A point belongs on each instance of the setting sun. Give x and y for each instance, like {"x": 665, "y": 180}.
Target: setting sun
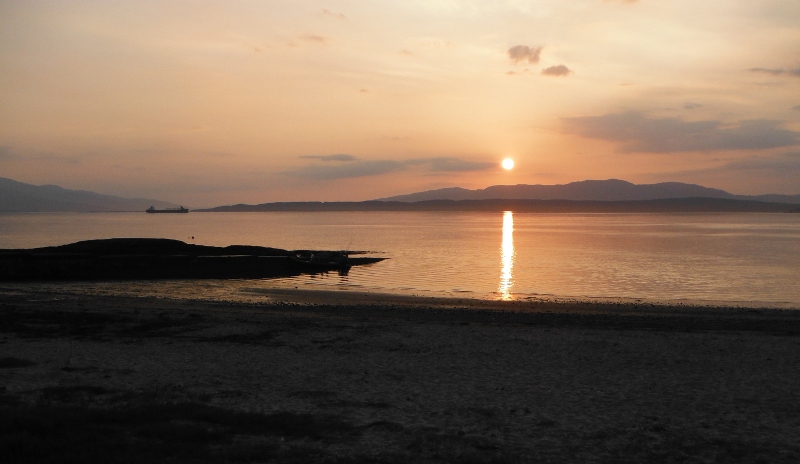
{"x": 508, "y": 164}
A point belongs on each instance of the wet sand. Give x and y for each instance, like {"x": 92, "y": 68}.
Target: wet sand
{"x": 341, "y": 377}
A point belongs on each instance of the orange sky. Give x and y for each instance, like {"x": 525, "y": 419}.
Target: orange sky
{"x": 207, "y": 103}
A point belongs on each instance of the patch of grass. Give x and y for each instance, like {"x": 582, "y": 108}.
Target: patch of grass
{"x": 12, "y": 362}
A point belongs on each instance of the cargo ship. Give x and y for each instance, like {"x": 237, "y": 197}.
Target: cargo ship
{"x": 152, "y": 209}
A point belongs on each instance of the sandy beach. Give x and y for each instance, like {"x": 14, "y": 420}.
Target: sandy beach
{"x": 339, "y": 377}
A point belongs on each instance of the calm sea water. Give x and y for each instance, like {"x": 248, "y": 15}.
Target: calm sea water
{"x": 720, "y": 258}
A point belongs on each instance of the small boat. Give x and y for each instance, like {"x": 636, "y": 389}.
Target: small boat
{"x": 152, "y": 209}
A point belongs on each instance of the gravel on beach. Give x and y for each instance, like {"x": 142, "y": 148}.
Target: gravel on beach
{"x": 336, "y": 377}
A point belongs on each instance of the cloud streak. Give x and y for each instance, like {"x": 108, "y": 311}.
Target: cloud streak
{"x": 557, "y": 71}
{"x": 333, "y": 14}
{"x": 783, "y": 163}
{"x": 761, "y": 169}
{"x": 776, "y": 71}
{"x": 338, "y": 157}
{"x": 635, "y": 132}
{"x": 363, "y": 168}
{"x": 314, "y": 38}
{"x": 445, "y": 164}
{"x": 352, "y": 167}
{"x": 524, "y": 53}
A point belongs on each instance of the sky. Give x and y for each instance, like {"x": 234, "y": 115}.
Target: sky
{"x": 207, "y": 103}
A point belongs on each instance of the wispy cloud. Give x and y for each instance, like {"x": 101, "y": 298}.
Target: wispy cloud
{"x": 776, "y": 71}
{"x": 557, "y": 71}
{"x": 524, "y": 53}
{"x": 337, "y": 157}
{"x": 784, "y": 163}
{"x": 764, "y": 167}
{"x": 348, "y": 170}
{"x": 350, "y": 167}
{"x": 445, "y": 164}
{"x": 636, "y": 132}
{"x": 332, "y": 14}
{"x": 313, "y": 38}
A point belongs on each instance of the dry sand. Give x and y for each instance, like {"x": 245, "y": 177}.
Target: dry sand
{"x": 426, "y": 380}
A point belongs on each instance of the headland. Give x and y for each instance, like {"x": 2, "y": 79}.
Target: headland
{"x": 158, "y": 258}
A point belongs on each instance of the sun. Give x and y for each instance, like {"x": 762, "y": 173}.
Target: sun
{"x": 508, "y": 164}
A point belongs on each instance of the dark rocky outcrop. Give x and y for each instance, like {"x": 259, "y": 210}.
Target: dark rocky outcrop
{"x": 147, "y": 258}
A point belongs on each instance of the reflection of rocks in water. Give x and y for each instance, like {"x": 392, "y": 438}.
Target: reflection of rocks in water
{"x": 143, "y": 258}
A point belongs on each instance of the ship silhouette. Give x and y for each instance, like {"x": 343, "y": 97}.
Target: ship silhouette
{"x": 152, "y": 209}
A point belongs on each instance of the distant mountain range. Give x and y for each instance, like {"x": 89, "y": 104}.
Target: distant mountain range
{"x": 600, "y": 196}
{"x": 586, "y": 196}
{"x": 20, "y": 197}
{"x": 667, "y": 205}
{"x": 588, "y": 190}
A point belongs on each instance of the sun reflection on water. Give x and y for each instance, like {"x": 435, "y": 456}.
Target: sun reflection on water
{"x": 507, "y": 257}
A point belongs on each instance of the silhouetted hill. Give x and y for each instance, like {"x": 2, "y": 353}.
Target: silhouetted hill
{"x": 669, "y": 205}
{"x": 20, "y": 197}
{"x": 587, "y": 190}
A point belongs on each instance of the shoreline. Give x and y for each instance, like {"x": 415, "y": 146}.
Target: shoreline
{"x": 243, "y": 291}
{"x": 342, "y": 379}
{"x": 318, "y": 296}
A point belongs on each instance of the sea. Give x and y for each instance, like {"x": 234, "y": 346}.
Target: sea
{"x": 727, "y": 259}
